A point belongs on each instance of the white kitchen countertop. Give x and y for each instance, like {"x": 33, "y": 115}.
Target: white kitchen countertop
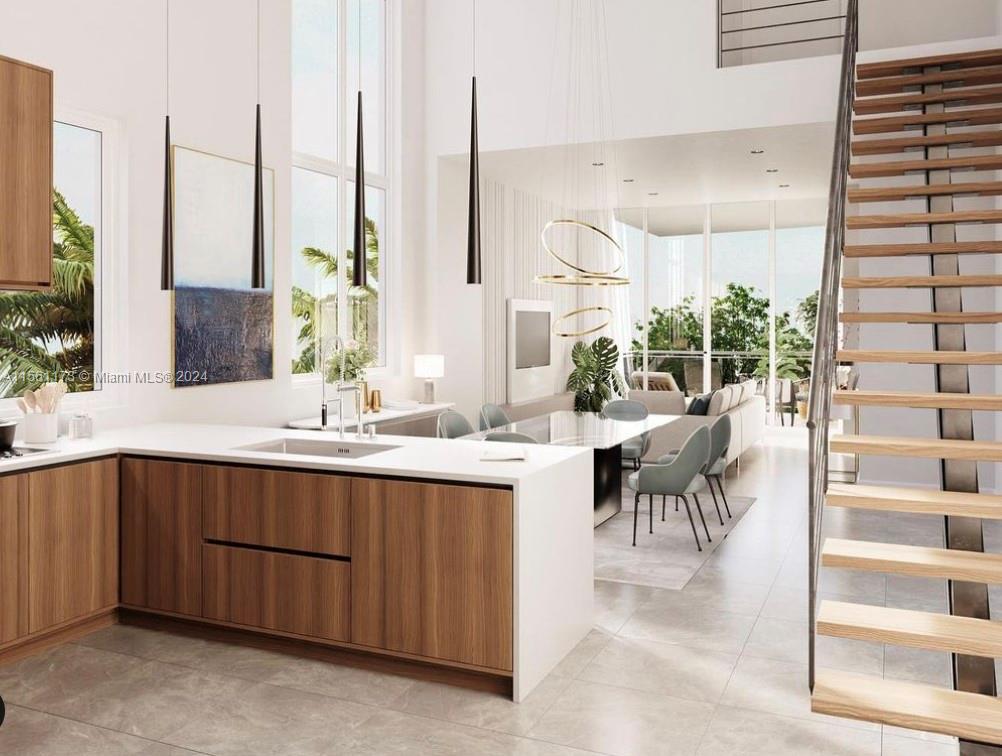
{"x": 414, "y": 457}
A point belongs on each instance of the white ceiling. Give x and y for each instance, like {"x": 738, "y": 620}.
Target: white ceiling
{"x": 685, "y": 171}
{"x": 737, "y": 216}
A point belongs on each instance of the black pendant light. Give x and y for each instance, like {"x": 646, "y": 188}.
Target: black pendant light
{"x": 473, "y": 226}
{"x": 167, "y": 248}
{"x": 257, "y": 252}
{"x": 359, "y": 274}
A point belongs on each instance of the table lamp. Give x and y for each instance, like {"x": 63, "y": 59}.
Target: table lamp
{"x": 429, "y": 367}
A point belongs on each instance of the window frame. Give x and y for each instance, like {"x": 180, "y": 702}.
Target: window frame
{"x": 342, "y": 171}
{"x": 110, "y": 271}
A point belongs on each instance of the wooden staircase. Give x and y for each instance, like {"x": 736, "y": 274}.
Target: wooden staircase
{"x": 928, "y": 118}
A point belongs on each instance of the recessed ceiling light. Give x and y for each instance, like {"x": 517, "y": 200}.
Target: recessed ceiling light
{"x": 627, "y": 181}
{"x": 784, "y": 186}
{"x": 757, "y": 152}
{"x": 597, "y": 165}
{"x": 652, "y": 194}
{"x": 772, "y": 170}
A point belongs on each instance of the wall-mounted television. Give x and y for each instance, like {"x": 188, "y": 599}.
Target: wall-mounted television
{"x": 532, "y": 339}
{"x": 532, "y": 354}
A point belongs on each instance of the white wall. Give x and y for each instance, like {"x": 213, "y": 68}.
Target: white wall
{"x": 108, "y": 59}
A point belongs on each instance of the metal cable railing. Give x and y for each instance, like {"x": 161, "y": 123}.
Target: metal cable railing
{"x": 826, "y": 335}
{"x": 777, "y": 26}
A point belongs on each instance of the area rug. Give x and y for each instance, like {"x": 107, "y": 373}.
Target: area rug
{"x": 668, "y": 558}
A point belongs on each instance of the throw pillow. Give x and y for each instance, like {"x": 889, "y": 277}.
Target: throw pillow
{"x": 699, "y": 405}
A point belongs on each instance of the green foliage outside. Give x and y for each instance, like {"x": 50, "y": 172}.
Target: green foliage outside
{"x": 49, "y": 335}
{"x": 596, "y": 377}
{"x": 364, "y": 304}
{"x": 739, "y": 321}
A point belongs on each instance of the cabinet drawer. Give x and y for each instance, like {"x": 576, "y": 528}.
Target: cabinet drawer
{"x": 283, "y": 510}
{"x": 295, "y": 594}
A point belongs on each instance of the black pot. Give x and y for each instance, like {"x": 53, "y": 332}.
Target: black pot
{"x": 7, "y": 430}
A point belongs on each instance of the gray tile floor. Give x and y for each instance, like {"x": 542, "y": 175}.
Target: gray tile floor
{"x": 717, "y": 667}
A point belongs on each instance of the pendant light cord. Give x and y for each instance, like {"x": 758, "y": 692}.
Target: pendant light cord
{"x": 167, "y": 56}
{"x": 474, "y": 38}
{"x": 259, "y": 51}
{"x": 359, "y": 45}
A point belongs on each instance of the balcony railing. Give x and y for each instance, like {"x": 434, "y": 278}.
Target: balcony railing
{"x": 758, "y": 33}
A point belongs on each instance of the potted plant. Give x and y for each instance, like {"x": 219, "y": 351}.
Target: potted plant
{"x": 596, "y": 377}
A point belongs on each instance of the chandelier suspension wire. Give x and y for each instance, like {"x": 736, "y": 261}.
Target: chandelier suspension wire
{"x": 581, "y": 209}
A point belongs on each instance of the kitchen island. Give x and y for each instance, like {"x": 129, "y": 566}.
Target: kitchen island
{"x": 407, "y": 548}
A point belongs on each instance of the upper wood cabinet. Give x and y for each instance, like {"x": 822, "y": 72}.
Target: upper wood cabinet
{"x": 25, "y": 175}
{"x": 162, "y": 535}
{"x": 13, "y": 558}
{"x": 72, "y": 542}
{"x": 431, "y": 570}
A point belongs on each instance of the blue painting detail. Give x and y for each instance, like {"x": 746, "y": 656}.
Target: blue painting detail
{"x": 222, "y": 335}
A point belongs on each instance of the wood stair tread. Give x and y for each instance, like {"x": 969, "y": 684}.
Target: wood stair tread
{"x": 915, "y": 561}
{"x": 895, "y": 193}
{"x": 920, "y": 400}
{"x": 914, "y": 500}
{"x": 904, "y": 627}
{"x": 972, "y": 59}
{"x": 921, "y": 318}
{"x": 894, "y": 220}
{"x": 901, "y": 167}
{"x": 940, "y": 357}
{"x": 955, "y": 76}
{"x": 954, "y": 95}
{"x": 989, "y": 138}
{"x": 908, "y": 446}
{"x": 968, "y": 116}
{"x": 922, "y": 248}
{"x": 906, "y": 704}
{"x": 914, "y": 282}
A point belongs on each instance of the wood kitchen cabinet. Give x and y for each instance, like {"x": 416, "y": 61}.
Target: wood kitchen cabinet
{"x": 297, "y": 511}
{"x": 431, "y": 570}
{"x": 13, "y": 558}
{"x": 162, "y": 535}
{"x": 25, "y": 175}
{"x": 72, "y": 542}
{"x": 277, "y": 591}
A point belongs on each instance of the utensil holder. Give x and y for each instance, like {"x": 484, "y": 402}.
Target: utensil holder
{"x": 41, "y": 428}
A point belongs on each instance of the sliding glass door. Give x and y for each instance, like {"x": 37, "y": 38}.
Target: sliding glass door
{"x": 725, "y": 293}
{"x": 740, "y": 305}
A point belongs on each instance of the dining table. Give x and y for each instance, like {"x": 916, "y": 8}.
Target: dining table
{"x": 604, "y": 435}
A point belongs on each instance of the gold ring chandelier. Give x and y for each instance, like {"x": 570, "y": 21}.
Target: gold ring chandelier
{"x": 581, "y": 276}
{"x": 585, "y": 331}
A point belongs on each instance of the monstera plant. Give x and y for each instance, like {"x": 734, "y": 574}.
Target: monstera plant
{"x": 596, "y": 377}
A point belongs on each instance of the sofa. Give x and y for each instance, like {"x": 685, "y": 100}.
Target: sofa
{"x": 740, "y": 402}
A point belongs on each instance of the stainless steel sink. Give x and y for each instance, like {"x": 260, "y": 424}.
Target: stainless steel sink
{"x": 309, "y": 447}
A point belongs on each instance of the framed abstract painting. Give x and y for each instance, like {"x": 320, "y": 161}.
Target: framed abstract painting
{"x": 223, "y": 329}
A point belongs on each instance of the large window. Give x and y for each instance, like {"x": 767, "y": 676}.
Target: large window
{"x": 760, "y": 279}
{"x": 337, "y": 47}
{"x": 55, "y": 335}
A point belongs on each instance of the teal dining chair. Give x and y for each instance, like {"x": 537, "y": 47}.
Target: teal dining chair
{"x": 510, "y": 437}
{"x": 627, "y": 409}
{"x": 492, "y": 416}
{"x": 681, "y": 477}
{"x": 452, "y": 424}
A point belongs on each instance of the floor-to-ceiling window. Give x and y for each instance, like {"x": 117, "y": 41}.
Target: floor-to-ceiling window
{"x": 725, "y": 293}
{"x": 338, "y": 47}
{"x": 739, "y": 291}
{"x": 675, "y": 295}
